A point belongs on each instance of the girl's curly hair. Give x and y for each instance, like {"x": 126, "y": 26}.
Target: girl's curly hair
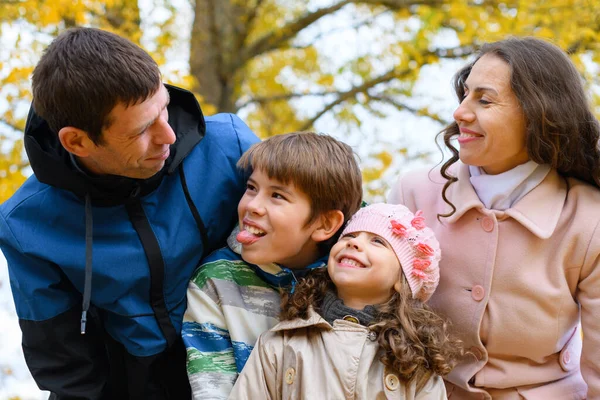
{"x": 414, "y": 339}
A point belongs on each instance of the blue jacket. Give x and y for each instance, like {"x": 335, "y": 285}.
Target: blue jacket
{"x": 146, "y": 237}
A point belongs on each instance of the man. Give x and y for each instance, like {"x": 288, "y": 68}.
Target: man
{"x": 131, "y": 186}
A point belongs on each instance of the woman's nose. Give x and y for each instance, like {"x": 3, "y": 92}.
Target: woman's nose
{"x": 463, "y": 113}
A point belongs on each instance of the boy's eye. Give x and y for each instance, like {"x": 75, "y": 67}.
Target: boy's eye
{"x": 250, "y": 187}
{"x": 276, "y": 195}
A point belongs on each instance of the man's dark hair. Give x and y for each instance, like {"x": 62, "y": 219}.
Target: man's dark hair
{"x": 84, "y": 73}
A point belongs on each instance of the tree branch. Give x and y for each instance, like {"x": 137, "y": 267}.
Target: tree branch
{"x": 456, "y": 52}
{"x": 344, "y": 96}
{"x": 403, "y": 107}
{"x": 274, "y": 39}
{"x": 284, "y": 96}
{"x": 250, "y": 18}
{"x": 353, "y": 27}
{"x": 11, "y": 125}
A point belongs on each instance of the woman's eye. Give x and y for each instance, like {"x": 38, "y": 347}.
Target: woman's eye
{"x": 484, "y": 102}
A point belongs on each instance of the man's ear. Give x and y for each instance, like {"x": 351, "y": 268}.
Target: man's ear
{"x": 75, "y": 141}
{"x": 327, "y": 225}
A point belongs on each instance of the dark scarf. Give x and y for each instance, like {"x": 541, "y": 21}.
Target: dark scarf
{"x": 333, "y": 308}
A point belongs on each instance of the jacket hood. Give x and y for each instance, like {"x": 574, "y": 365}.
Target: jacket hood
{"x": 52, "y": 164}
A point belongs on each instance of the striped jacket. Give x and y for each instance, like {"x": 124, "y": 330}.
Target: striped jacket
{"x": 230, "y": 303}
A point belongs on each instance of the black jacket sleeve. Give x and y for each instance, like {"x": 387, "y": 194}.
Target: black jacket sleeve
{"x": 65, "y": 362}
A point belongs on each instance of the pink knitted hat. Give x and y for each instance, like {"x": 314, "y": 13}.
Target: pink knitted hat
{"x": 414, "y": 243}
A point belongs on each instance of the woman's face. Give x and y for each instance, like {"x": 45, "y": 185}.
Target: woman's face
{"x": 490, "y": 119}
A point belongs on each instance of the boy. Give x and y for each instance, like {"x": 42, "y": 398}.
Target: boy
{"x": 302, "y": 187}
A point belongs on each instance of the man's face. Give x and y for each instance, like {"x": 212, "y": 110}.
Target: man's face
{"x": 136, "y": 144}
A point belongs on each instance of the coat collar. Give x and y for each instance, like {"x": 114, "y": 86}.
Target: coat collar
{"x": 313, "y": 320}
{"x": 538, "y": 211}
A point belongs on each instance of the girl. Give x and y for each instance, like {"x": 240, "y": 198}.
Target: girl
{"x": 360, "y": 329}
{"x": 524, "y": 198}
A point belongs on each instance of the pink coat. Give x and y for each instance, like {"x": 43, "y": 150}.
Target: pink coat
{"x": 514, "y": 283}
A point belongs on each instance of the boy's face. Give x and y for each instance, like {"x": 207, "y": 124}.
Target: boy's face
{"x": 273, "y": 223}
{"x": 364, "y": 268}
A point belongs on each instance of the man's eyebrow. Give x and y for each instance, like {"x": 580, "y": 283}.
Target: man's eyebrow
{"x": 146, "y": 126}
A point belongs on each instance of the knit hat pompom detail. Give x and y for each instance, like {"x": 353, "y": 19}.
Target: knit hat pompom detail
{"x": 413, "y": 242}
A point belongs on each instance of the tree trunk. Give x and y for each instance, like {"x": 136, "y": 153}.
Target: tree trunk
{"x": 217, "y": 36}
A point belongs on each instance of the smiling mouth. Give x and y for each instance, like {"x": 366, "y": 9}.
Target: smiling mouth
{"x": 249, "y": 234}
{"x": 162, "y": 156}
{"x": 254, "y": 230}
{"x": 349, "y": 262}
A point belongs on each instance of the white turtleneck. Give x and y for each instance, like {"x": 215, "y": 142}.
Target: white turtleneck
{"x": 501, "y": 191}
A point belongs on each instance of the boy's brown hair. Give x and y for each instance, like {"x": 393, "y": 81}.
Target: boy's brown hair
{"x": 322, "y": 167}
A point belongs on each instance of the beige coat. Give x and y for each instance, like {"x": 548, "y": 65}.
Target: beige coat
{"x": 310, "y": 359}
{"x": 513, "y": 282}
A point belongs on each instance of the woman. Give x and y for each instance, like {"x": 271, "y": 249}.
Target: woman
{"x": 518, "y": 222}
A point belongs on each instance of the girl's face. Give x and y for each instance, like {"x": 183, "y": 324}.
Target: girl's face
{"x": 364, "y": 268}
{"x": 490, "y": 118}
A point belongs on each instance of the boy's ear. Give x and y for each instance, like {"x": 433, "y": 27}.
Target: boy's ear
{"x": 75, "y": 141}
{"x": 328, "y": 224}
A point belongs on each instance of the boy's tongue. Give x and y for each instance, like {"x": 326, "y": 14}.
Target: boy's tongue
{"x": 245, "y": 237}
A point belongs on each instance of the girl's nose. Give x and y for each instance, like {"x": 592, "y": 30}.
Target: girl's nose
{"x": 354, "y": 243}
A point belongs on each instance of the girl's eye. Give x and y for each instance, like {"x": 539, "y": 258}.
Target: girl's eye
{"x": 349, "y": 235}
{"x": 379, "y": 240}
{"x": 250, "y": 187}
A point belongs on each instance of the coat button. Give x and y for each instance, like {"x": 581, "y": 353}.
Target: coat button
{"x": 372, "y": 336}
{"x": 476, "y": 352}
{"x": 351, "y": 318}
{"x": 487, "y": 224}
{"x": 478, "y": 293}
{"x": 566, "y": 357}
{"x": 290, "y": 374}
{"x": 392, "y": 382}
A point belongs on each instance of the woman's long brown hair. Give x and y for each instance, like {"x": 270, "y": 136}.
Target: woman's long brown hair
{"x": 561, "y": 129}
